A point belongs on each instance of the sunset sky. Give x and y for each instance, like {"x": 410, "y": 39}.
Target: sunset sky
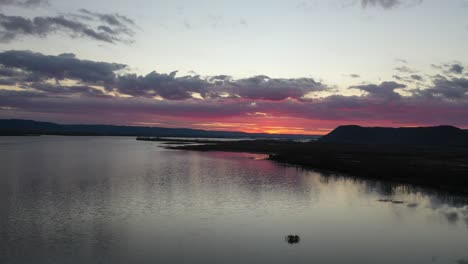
{"x": 276, "y": 66}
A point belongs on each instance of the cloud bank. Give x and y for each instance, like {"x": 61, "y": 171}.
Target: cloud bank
{"x": 110, "y": 28}
{"x": 24, "y": 68}
{"x": 388, "y": 4}
{"x": 38, "y": 86}
{"x": 24, "y": 3}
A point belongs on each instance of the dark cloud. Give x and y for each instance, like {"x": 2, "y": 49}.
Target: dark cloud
{"x": 456, "y": 68}
{"x": 22, "y": 66}
{"x": 409, "y": 79}
{"x": 8, "y": 82}
{"x": 354, "y": 75}
{"x": 385, "y": 90}
{"x": 24, "y": 3}
{"x": 64, "y": 66}
{"x": 381, "y": 3}
{"x": 171, "y": 87}
{"x": 60, "y": 90}
{"x": 40, "y": 102}
{"x": 113, "y": 28}
{"x": 388, "y": 4}
{"x": 114, "y": 23}
{"x": 402, "y": 61}
{"x": 168, "y": 86}
{"x": 220, "y": 79}
{"x": 266, "y": 88}
{"x": 404, "y": 69}
{"x": 8, "y": 72}
{"x": 455, "y": 88}
{"x": 111, "y": 19}
{"x": 417, "y": 77}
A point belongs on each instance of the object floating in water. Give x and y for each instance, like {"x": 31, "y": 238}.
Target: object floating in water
{"x": 293, "y": 239}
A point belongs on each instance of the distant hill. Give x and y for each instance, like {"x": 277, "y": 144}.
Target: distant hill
{"x": 15, "y": 127}
{"x": 438, "y": 135}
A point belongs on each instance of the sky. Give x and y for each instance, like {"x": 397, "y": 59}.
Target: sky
{"x": 276, "y": 66}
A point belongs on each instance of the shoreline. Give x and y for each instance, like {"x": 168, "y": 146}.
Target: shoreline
{"x": 441, "y": 168}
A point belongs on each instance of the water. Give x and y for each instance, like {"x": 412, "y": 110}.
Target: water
{"x": 118, "y": 200}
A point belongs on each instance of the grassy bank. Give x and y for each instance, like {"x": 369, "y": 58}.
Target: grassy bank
{"x": 435, "y": 166}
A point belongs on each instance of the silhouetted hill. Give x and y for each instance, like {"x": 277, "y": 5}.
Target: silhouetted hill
{"x": 14, "y": 127}
{"x": 438, "y": 135}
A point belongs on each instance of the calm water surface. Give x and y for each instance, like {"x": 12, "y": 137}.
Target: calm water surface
{"x": 118, "y": 200}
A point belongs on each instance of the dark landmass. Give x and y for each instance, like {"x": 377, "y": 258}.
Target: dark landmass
{"x": 440, "y": 135}
{"x": 176, "y": 141}
{"x": 435, "y": 165}
{"x": 19, "y": 127}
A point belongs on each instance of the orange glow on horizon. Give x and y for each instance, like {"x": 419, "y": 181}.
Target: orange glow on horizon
{"x": 260, "y": 123}
{"x": 259, "y": 127}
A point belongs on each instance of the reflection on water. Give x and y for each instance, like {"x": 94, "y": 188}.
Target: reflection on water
{"x": 117, "y": 200}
